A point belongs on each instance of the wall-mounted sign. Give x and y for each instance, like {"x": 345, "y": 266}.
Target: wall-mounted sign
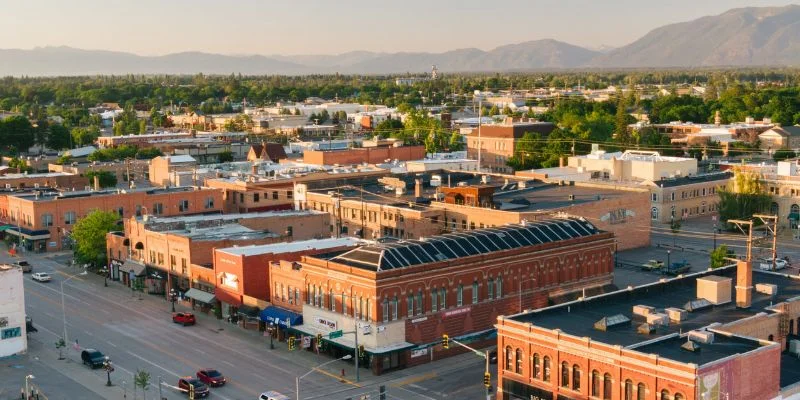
{"x": 327, "y": 323}
{"x": 419, "y": 352}
{"x": 418, "y": 320}
{"x": 453, "y": 313}
{"x": 618, "y": 216}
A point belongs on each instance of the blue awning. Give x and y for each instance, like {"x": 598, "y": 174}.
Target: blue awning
{"x": 280, "y": 316}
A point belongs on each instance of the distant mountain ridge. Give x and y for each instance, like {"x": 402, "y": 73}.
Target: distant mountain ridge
{"x": 765, "y": 36}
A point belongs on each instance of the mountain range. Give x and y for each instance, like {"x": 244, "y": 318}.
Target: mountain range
{"x": 756, "y": 36}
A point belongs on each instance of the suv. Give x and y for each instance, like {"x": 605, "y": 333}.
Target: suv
{"x": 93, "y": 358}
{"x": 41, "y": 276}
{"x": 200, "y": 388}
{"x": 24, "y": 265}
{"x": 184, "y": 318}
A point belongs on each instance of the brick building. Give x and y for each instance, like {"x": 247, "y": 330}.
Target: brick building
{"x": 242, "y": 272}
{"x": 697, "y": 337}
{"x": 180, "y": 250}
{"x": 44, "y": 218}
{"x": 401, "y": 296}
{"x": 497, "y": 142}
{"x": 48, "y": 179}
{"x": 369, "y": 155}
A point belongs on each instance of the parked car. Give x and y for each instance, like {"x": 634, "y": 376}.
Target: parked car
{"x": 93, "y": 358}
{"x": 677, "y": 268}
{"x": 24, "y": 265}
{"x": 183, "y": 318}
{"x": 41, "y": 277}
{"x": 211, "y": 377}
{"x": 766, "y": 264}
{"x": 200, "y": 388}
{"x": 652, "y": 265}
{"x": 272, "y": 395}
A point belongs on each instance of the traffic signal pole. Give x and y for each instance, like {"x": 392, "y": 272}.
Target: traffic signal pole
{"x": 487, "y": 376}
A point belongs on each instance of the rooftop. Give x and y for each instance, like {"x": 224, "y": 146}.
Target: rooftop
{"x": 189, "y": 219}
{"x": 633, "y": 155}
{"x": 688, "y": 180}
{"x": 292, "y": 247}
{"x": 407, "y": 253}
{"x": 52, "y": 195}
{"x": 579, "y": 317}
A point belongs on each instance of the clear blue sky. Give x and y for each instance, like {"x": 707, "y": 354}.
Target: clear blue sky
{"x": 153, "y": 27}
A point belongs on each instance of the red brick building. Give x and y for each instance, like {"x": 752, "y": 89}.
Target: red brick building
{"x": 403, "y": 295}
{"x": 369, "y": 155}
{"x": 687, "y": 338}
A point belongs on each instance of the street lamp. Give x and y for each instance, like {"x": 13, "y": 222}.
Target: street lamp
{"x": 271, "y": 330}
{"x": 27, "y": 385}
{"x": 668, "y": 264}
{"x": 173, "y": 295}
{"x": 108, "y": 367}
{"x": 297, "y": 379}
{"x": 105, "y": 272}
{"x": 63, "y": 308}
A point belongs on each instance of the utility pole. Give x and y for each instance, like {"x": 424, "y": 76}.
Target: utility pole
{"x": 772, "y": 229}
{"x": 739, "y": 223}
{"x": 480, "y": 144}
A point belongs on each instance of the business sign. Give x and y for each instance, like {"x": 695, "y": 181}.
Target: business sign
{"x": 419, "y": 352}
{"x": 618, "y": 216}
{"x": 456, "y": 312}
{"x": 327, "y": 323}
{"x": 366, "y": 329}
{"x": 418, "y": 320}
{"x": 306, "y": 342}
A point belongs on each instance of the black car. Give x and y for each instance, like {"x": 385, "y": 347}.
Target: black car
{"x": 93, "y": 358}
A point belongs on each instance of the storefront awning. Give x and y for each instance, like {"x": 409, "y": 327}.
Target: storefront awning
{"x": 347, "y": 342}
{"x": 281, "y": 316}
{"x": 795, "y": 216}
{"x": 4, "y": 227}
{"x": 201, "y": 296}
{"x": 130, "y": 265}
{"x": 41, "y": 234}
{"x": 248, "y": 311}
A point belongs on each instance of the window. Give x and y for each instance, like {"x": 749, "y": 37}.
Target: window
{"x": 434, "y": 303}
{"x": 628, "y": 390}
{"x": 664, "y": 394}
{"x": 490, "y": 289}
{"x": 308, "y": 294}
{"x": 183, "y": 205}
{"x": 367, "y": 315}
{"x": 277, "y": 290}
{"x": 564, "y": 374}
{"x": 121, "y": 211}
{"x": 678, "y": 396}
{"x": 360, "y": 306}
{"x": 210, "y": 202}
{"x": 275, "y": 195}
{"x": 385, "y": 310}
{"x": 576, "y": 378}
{"x": 184, "y": 268}
{"x": 595, "y": 384}
{"x": 332, "y": 300}
{"x": 442, "y": 298}
{"x": 138, "y": 210}
{"x": 641, "y": 391}
{"x": 520, "y": 357}
{"x": 289, "y": 194}
{"x": 498, "y": 287}
{"x": 70, "y": 217}
{"x": 607, "y": 389}
{"x": 460, "y": 296}
{"x": 394, "y": 308}
{"x": 654, "y": 197}
{"x": 255, "y": 197}
{"x": 321, "y": 298}
{"x": 344, "y": 304}
{"x": 158, "y": 209}
{"x": 509, "y": 359}
{"x": 474, "y": 292}
{"x": 283, "y": 293}
{"x": 419, "y": 302}
{"x": 297, "y": 296}
{"x": 172, "y": 262}
{"x": 537, "y": 366}
{"x": 546, "y": 369}
{"x": 410, "y": 305}
{"x": 672, "y": 196}
{"x": 11, "y": 333}
{"x": 47, "y": 220}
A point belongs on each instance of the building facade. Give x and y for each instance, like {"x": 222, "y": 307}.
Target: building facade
{"x": 13, "y": 334}
{"x": 497, "y": 142}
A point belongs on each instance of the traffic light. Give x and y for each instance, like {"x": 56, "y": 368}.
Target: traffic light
{"x": 292, "y": 344}
{"x": 361, "y": 351}
{"x": 487, "y": 379}
{"x": 191, "y": 391}
{"x": 446, "y": 341}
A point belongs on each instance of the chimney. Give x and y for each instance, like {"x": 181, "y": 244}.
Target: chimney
{"x": 744, "y": 284}
{"x": 561, "y": 162}
{"x": 255, "y": 169}
{"x": 717, "y": 119}
{"x": 418, "y": 188}
{"x": 96, "y": 183}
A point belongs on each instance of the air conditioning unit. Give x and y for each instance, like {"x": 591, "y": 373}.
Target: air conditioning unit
{"x": 8, "y": 186}
{"x": 701, "y": 336}
{"x": 35, "y": 185}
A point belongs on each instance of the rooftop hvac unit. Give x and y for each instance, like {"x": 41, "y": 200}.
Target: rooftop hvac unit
{"x": 794, "y": 347}
{"x": 705, "y": 337}
{"x": 35, "y": 185}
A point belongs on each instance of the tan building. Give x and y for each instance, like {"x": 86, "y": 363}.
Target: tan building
{"x": 135, "y": 171}
{"x": 686, "y": 197}
{"x": 369, "y": 155}
{"x": 785, "y": 137}
{"x": 164, "y": 169}
{"x": 633, "y": 165}
{"x": 45, "y": 218}
{"x": 139, "y": 140}
{"x": 497, "y": 142}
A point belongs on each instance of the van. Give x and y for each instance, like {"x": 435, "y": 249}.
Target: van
{"x": 272, "y": 395}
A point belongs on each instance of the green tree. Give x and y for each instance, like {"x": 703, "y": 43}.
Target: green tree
{"x": 59, "y": 137}
{"x": 719, "y": 255}
{"x": 239, "y": 123}
{"x": 89, "y": 234}
{"x": 388, "y": 127}
{"x": 106, "y": 178}
{"x": 226, "y": 156}
{"x": 126, "y": 123}
{"x": 20, "y": 164}
{"x": 141, "y": 379}
{"x": 529, "y": 152}
{"x": 84, "y": 136}
{"x": 456, "y": 142}
{"x": 17, "y": 133}
{"x": 783, "y": 154}
{"x": 494, "y": 111}
{"x": 148, "y": 153}
{"x": 622, "y": 134}
{"x": 744, "y": 199}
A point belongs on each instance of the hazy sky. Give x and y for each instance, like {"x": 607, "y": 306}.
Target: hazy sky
{"x": 152, "y": 27}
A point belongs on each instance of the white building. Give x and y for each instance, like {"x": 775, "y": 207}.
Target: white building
{"x": 13, "y": 338}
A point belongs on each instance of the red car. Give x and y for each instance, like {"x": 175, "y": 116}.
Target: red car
{"x": 200, "y": 389}
{"x": 183, "y": 318}
{"x": 211, "y": 377}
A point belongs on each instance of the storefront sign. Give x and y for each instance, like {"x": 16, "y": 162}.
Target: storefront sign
{"x": 418, "y": 320}
{"x": 458, "y": 311}
{"x": 366, "y": 329}
{"x": 327, "y": 323}
{"x": 51, "y": 244}
{"x": 306, "y": 342}
{"x": 419, "y": 352}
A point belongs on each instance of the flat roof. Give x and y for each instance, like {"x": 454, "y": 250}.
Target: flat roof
{"x": 292, "y": 247}
{"x": 151, "y": 219}
{"x": 53, "y": 195}
{"x": 578, "y": 318}
{"x": 40, "y": 175}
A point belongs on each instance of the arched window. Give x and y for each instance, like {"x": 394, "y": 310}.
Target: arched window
{"x": 520, "y": 358}
{"x": 564, "y": 374}
{"x": 628, "y": 390}
{"x": 595, "y": 384}
{"x": 773, "y": 208}
{"x": 654, "y": 214}
{"x": 546, "y": 369}
{"x": 537, "y": 366}
{"x": 576, "y": 378}
{"x": 641, "y": 391}
{"x": 678, "y": 396}
{"x": 665, "y": 394}
{"x": 795, "y": 209}
{"x": 509, "y": 359}
{"x": 607, "y": 388}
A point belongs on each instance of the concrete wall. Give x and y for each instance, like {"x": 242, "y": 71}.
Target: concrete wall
{"x": 12, "y": 311}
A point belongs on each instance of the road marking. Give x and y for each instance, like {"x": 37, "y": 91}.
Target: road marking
{"x": 415, "y": 379}
{"x": 88, "y": 333}
{"x": 339, "y": 378}
{"x": 48, "y": 314}
{"x": 112, "y": 344}
{"x": 228, "y": 363}
{"x": 154, "y": 364}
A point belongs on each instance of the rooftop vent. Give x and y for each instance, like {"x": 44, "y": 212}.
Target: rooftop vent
{"x": 697, "y": 305}
{"x": 691, "y": 346}
{"x": 607, "y": 322}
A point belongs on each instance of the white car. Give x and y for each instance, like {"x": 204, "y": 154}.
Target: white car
{"x": 41, "y": 277}
{"x": 780, "y": 263}
{"x": 272, "y": 395}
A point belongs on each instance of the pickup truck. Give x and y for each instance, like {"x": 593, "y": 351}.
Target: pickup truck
{"x": 652, "y": 265}
{"x": 677, "y": 268}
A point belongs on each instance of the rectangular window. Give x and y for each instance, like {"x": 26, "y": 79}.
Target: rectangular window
{"x": 460, "y": 296}
{"x": 139, "y": 210}
{"x": 367, "y": 315}
{"x": 121, "y": 211}
{"x": 296, "y": 296}
{"x": 209, "y": 202}
{"x": 344, "y": 304}
{"x": 184, "y": 266}
{"x": 11, "y": 333}
{"x": 434, "y": 302}
{"x": 474, "y": 292}
{"x": 255, "y": 197}
{"x": 158, "y": 209}
{"x": 498, "y": 288}
{"x": 385, "y": 310}
{"x": 289, "y": 194}
{"x": 394, "y": 309}
{"x": 418, "y": 306}
{"x": 183, "y": 206}
{"x": 442, "y": 298}
{"x": 172, "y": 262}
{"x": 241, "y": 198}
{"x": 333, "y": 301}
{"x": 360, "y": 306}
{"x": 490, "y": 289}
{"x": 47, "y": 220}
{"x": 275, "y": 195}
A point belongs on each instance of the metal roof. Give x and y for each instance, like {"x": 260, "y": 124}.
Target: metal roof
{"x": 407, "y": 253}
